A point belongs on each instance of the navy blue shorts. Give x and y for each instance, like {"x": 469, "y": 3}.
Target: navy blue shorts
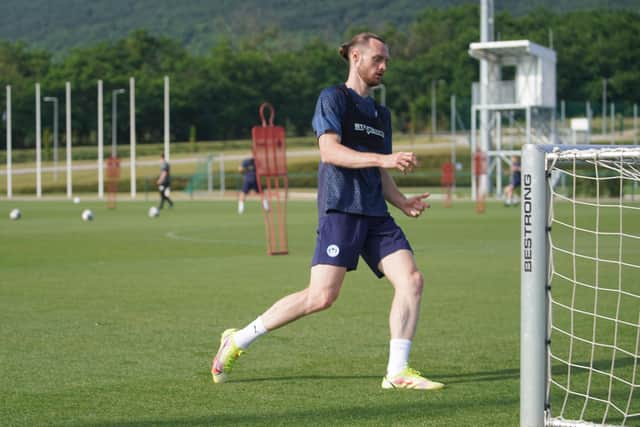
{"x": 515, "y": 180}
{"x": 249, "y": 184}
{"x": 343, "y": 237}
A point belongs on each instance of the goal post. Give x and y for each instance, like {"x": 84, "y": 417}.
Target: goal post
{"x": 533, "y": 306}
{"x": 580, "y": 286}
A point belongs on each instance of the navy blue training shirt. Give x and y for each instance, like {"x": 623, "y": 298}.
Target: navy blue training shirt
{"x": 363, "y": 126}
{"x": 249, "y": 169}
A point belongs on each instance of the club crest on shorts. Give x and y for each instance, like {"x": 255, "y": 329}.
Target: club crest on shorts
{"x": 333, "y": 251}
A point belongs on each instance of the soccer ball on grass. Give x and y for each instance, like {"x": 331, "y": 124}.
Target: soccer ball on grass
{"x": 15, "y": 214}
{"x": 153, "y": 212}
{"x": 87, "y": 215}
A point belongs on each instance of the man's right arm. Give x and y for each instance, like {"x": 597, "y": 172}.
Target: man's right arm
{"x": 334, "y": 153}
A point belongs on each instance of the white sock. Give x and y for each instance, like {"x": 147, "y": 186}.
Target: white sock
{"x": 240, "y": 207}
{"x": 250, "y": 333}
{"x": 398, "y": 356}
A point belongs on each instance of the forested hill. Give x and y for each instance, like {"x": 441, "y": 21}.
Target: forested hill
{"x": 58, "y": 25}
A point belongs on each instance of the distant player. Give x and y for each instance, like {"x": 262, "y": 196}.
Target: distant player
{"x": 354, "y": 136}
{"x": 164, "y": 182}
{"x": 249, "y": 181}
{"x": 514, "y": 183}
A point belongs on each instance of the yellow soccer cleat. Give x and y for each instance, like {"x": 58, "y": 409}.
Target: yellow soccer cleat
{"x": 226, "y": 356}
{"x": 410, "y": 379}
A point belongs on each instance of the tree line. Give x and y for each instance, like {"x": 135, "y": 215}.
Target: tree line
{"x": 215, "y": 96}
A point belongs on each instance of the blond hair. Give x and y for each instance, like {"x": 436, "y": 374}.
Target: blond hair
{"x": 357, "y": 40}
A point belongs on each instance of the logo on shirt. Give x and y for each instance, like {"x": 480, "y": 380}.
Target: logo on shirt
{"x": 333, "y": 251}
{"x": 368, "y": 129}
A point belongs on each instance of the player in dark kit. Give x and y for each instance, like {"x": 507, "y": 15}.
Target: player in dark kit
{"x": 164, "y": 182}
{"x": 514, "y": 184}
{"x": 354, "y": 137}
{"x": 249, "y": 181}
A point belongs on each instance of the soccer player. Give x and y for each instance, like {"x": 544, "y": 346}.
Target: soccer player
{"x": 164, "y": 182}
{"x": 249, "y": 181}
{"x": 514, "y": 183}
{"x": 354, "y": 136}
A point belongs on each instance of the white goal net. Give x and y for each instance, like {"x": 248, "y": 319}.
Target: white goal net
{"x": 591, "y": 306}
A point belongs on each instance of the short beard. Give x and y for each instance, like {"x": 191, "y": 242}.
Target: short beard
{"x": 370, "y": 82}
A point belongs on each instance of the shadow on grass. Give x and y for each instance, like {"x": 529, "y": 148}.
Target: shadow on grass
{"x": 308, "y": 377}
{"x": 514, "y": 373}
{"x": 403, "y": 413}
{"x": 461, "y": 378}
{"x": 601, "y": 365}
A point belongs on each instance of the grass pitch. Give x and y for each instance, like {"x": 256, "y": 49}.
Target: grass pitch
{"x": 115, "y": 322}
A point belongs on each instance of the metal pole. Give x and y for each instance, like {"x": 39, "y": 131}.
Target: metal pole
{"x": 54, "y": 100}
{"x": 67, "y": 105}
{"x": 453, "y": 115}
{"x": 474, "y": 190}
{"x": 498, "y": 158}
{"x": 55, "y": 139}
{"x": 533, "y": 286}
{"x": 100, "y": 143}
{"x": 132, "y": 135}
{"x": 9, "y": 143}
{"x": 166, "y": 118}
{"x": 563, "y": 117}
{"x": 114, "y": 121}
{"x": 486, "y": 35}
{"x": 38, "y": 144}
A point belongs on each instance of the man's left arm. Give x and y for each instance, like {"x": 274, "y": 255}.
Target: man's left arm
{"x": 410, "y": 206}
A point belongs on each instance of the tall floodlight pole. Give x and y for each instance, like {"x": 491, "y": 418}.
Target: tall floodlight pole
{"x": 67, "y": 105}
{"x": 166, "y": 118}
{"x": 54, "y": 100}
{"x": 453, "y": 115}
{"x": 486, "y": 35}
{"x": 100, "y": 143}
{"x": 9, "y": 143}
{"x": 132, "y": 134}
{"x": 38, "y": 144}
{"x": 114, "y": 121}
